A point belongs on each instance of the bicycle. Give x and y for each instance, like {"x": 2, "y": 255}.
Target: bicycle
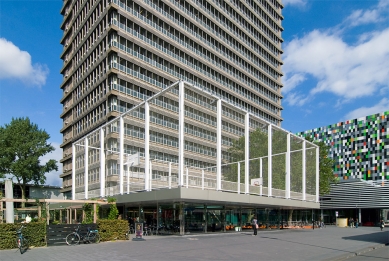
{"x": 21, "y": 241}
{"x": 92, "y": 236}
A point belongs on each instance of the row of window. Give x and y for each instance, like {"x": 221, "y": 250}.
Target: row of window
{"x": 155, "y": 60}
{"x": 136, "y": 71}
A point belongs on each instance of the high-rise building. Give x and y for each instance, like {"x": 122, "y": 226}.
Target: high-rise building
{"x": 116, "y": 53}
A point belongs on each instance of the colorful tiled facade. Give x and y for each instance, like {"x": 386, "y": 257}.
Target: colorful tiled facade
{"x": 360, "y": 147}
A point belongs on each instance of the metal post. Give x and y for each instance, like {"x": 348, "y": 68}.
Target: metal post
{"x": 102, "y": 164}
{"x": 238, "y": 181}
{"x": 261, "y": 176}
{"x": 269, "y": 160}
{"x": 73, "y": 172}
{"x": 121, "y": 155}
{"x": 151, "y": 177}
{"x": 202, "y": 179}
{"x": 187, "y": 177}
{"x": 147, "y": 146}
{"x": 181, "y": 129}
{"x": 86, "y": 167}
{"x": 219, "y": 146}
{"x": 317, "y": 174}
{"x": 128, "y": 178}
{"x": 287, "y": 162}
{"x": 247, "y": 153}
{"x": 170, "y": 175}
{"x": 304, "y": 171}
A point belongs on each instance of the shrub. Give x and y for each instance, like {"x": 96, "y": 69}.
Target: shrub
{"x": 34, "y": 232}
{"x": 110, "y": 230}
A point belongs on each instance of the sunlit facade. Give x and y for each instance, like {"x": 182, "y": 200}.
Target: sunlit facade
{"x": 117, "y": 53}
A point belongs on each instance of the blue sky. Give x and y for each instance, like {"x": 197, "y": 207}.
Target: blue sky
{"x": 336, "y": 63}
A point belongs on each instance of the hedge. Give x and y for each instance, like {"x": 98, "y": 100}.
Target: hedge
{"x": 35, "y": 232}
{"x": 111, "y": 230}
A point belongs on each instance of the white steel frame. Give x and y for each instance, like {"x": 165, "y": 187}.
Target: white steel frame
{"x": 181, "y": 141}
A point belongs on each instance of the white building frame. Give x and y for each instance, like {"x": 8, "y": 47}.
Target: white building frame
{"x": 182, "y": 169}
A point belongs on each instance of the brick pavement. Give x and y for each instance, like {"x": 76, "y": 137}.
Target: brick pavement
{"x": 318, "y": 244}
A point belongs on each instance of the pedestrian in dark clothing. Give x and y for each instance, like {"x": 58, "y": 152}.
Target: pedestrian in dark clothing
{"x": 254, "y": 223}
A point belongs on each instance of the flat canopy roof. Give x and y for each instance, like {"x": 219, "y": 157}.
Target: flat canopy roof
{"x": 193, "y": 195}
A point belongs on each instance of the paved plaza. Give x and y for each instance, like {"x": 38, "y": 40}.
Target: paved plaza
{"x": 330, "y": 243}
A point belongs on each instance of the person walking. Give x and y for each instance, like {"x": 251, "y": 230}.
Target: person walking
{"x": 254, "y": 224}
{"x": 382, "y": 224}
{"x": 356, "y": 223}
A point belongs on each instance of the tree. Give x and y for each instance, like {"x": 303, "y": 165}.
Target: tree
{"x": 113, "y": 210}
{"x": 258, "y": 148}
{"x": 326, "y": 167}
{"x": 21, "y": 146}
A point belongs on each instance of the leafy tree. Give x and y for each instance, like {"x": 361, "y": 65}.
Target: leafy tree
{"x": 113, "y": 210}
{"x": 258, "y": 148}
{"x": 21, "y": 146}
{"x": 326, "y": 167}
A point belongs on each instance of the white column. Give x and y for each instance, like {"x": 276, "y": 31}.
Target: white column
{"x": 181, "y": 128}
{"x": 128, "y": 178}
{"x": 304, "y": 178}
{"x": 261, "y": 176}
{"x": 102, "y": 164}
{"x": 238, "y": 181}
{"x": 121, "y": 155}
{"x": 287, "y": 167}
{"x": 170, "y": 175}
{"x": 202, "y": 179}
{"x": 317, "y": 174}
{"x": 246, "y": 153}
{"x": 86, "y": 169}
{"x": 9, "y": 206}
{"x": 269, "y": 160}
{"x": 147, "y": 146}
{"x": 151, "y": 177}
{"x": 73, "y": 172}
{"x": 219, "y": 146}
{"x": 187, "y": 177}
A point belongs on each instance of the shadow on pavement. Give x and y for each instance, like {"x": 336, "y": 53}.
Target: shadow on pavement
{"x": 381, "y": 237}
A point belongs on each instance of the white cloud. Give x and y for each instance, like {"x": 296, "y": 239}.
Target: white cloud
{"x": 348, "y": 71}
{"x": 382, "y": 106}
{"x": 52, "y": 178}
{"x": 16, "y": 64}
{"x": 297, "y": 99}
{"x": 294, "y": 2}
{"x": 376, "y": 14}
{"x": 293, "y": 81}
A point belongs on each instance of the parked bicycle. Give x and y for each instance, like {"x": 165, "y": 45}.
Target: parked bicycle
{"x": 21, "y": 241}
{"x": 74, "y": 238}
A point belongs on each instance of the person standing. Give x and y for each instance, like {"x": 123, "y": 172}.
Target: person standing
{"x": 254, "y": 223}
{"x": 356, "y": 223}
{"x": 382, "y": 224}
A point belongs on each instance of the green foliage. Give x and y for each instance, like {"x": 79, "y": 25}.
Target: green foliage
{"x": 259, "y": 148}
{"x": 111, "y": 199}
{"x": 113, "y": 211}
{"x": 34, "y": 232}
{"x": 110, "y": 230}
{"x": 21, "y": 146}
{"x": 326, "y": 167}
{"x": 88, "y": 209}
